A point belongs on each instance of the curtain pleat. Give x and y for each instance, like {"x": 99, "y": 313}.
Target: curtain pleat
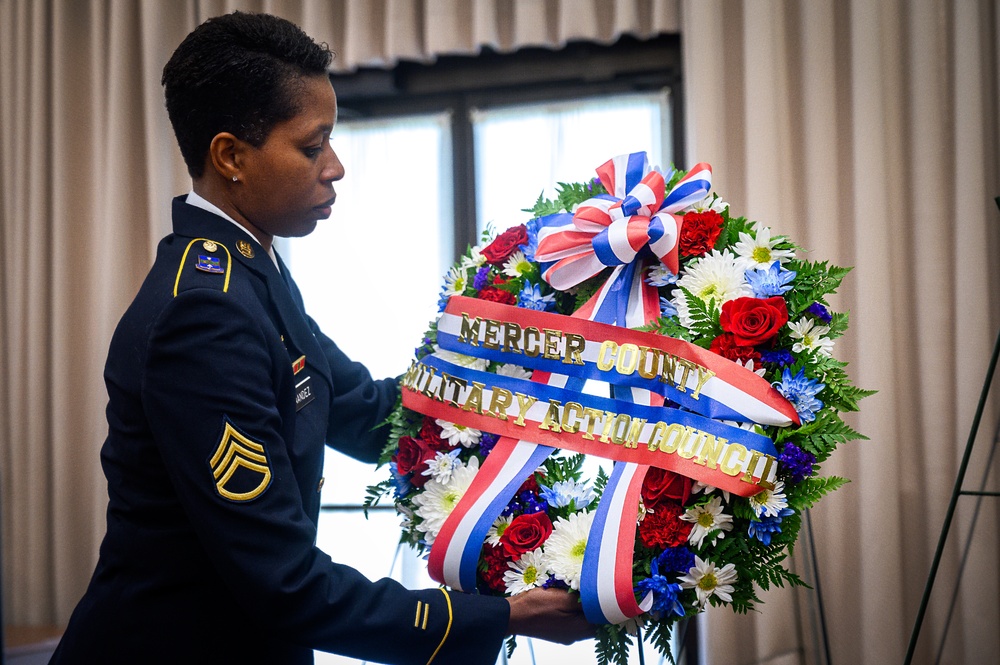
{"x": 865, "y": 129}
{"x": 867, "y": 132}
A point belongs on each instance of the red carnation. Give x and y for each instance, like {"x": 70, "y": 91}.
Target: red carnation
{"x": 506, "y": 244}
{"x": 726, "y": 346}
{"x": 430, "y": 433}
{"x": 496, "y": 560}
{"x": 753, "y": 321}
{"x": 660, "y": 485}
{"x": 699, "y": 232}
{"x": 526, "y": 533}
{"x": 493, "y": 294}
{"x": 664, "y": 527}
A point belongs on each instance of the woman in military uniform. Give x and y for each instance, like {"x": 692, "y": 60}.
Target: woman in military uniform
{"x": 223, "y": 393}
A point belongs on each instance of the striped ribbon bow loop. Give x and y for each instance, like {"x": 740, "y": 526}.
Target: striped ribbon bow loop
{"x": 612, "y": 229}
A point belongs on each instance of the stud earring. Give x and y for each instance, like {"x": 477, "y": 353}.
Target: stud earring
{"x": 235, "y": 179}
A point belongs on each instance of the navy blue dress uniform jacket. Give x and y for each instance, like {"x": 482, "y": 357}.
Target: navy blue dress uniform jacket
{"x": 214, "y": 461}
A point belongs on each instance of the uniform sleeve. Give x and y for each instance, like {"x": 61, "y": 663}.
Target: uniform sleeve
{"x": 209, "y": 394}
{"x": 359, "y": 405}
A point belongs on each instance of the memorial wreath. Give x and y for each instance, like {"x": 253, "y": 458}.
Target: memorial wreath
{"x": 634, "y": 319}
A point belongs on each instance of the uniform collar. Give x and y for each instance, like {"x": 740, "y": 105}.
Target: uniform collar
{"x": 199, "y": 201}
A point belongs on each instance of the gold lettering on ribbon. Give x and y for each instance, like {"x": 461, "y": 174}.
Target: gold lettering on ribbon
{"x": 606, "y": 356}
{"x": 470, "y": 330}
{"x": 502, "y": 398}
{"x": 474, "y": 402}
{"x": 490, "y": 335}
{"x": 511, "y": 337}
{"x": 631, "y": 352}
{"x": 524, "y": 402}
{"x": 459, "y": 385}
{"x": 531, "y": 333}
{"x": 570, "y": 415}
{"x": 711, "y": 449}
{"x": 732, "y": 467}
{"x": 649, "y": 370}
{"x": 552, "y": 419}
{"x": 592, "y": 416}
{"x": 575, "y": 344}
{"x": 552, "y": 338}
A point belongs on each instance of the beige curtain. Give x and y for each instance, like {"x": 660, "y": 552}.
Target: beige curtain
{"x": 866, "y": 129}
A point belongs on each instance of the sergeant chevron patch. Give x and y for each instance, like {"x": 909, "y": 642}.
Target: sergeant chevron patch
{"x": 240, "y": 466}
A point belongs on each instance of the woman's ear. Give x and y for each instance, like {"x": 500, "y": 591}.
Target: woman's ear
{"x": 226, "y": 155}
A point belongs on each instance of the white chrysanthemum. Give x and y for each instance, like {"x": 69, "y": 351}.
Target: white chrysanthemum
{"x": 708, "y": 581}
{"x": 456, "y": 281}
{"x": 659, "y": 275}
{"x": 565, "y": 547}
{"x": 526, "y": 573}
{"x": 699, "y": 487}
{"x": 513, "y": 371}
{"x": 810, "y": 337}
{"x": 748, "y": 364}
{"x": 475, "y": 259}
{"x": 717, "y": 276}
{"x": 438, "y": 499}
{"x": 493, "y": 535}
{"x": 769, "y": 503}
{"x": 516, "y": 265}
{"x": 710, "y": 202}
{"x": 459, "y": 434}
{"x": 707, "y": 518}
{"x": 758, "y": 252}
{"x": 442, "y": 465}
{"x": 461, "y": 359}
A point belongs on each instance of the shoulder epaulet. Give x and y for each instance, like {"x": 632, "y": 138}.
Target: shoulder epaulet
{"x": 205, "y": 264}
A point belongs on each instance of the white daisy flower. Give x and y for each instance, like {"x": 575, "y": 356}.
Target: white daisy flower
{"x": 749, "y": 365}
{"x": 659, "y": 275}
{"x": 769, "y": 503}
{"x": 699, "y": 487}
{"x": 461, "y": 359}
{"x": 516, "y": 265}
{"x": 493, "y": 535}
{"x": 438, "y": 499}
{"x": 475, "y": 259}
{"x": 811, "y": 337}
{"x": 758, "y": 252}
{"x": 565, "y": 547}
{"x": 442, "y": 465}
{"x": 526, "y": 573}
{"x": 513, "y": 371}
{"x": 456, "y": 281}
{"x": 710, "y": 202}
{"x": 707, "y": 580}
{"x": 717, "y": 276}
{"x": 459, "y": 434}
{"x": 707, "y": 518}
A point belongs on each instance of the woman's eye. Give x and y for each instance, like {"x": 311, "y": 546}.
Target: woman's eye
{"x": 313, "y": 152}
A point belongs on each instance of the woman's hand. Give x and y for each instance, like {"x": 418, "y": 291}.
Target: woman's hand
{"x": 549, "y": 614}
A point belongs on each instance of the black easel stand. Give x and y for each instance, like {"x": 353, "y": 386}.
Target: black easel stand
{"x": 956, "y": 492}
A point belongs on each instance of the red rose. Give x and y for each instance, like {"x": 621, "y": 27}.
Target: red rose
{"x": 753, "y": 321}
{"x": 529, "y": 485}
{"x": 660, "y": 485}
{"x": 496, "y": 560}
{"x": 410, "y": 458}
{"x": 664, "y": 527}
{"x": 526, "y": 533}
{"x": 699, "y": 231}
{"x": 493, "y": 294}
{"x": 430, "y": 433}
{"x": 726, "y": 346}
{"x": 506, "y": 244}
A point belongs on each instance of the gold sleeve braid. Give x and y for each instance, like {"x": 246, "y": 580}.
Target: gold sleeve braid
{"x": 447, "y": 630}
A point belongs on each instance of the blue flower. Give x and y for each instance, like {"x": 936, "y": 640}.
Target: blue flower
{"x": 768, "y": 526}
{"x": 774, "y": 281}
{"x": 487, "y": 441}
{"x": 796, "y": 464}
{"x": 401, "y": 483}
{"x": 481, "y": 279}
{"x": 676, "y": 559}
{"x": 566, "y": 492}
{"x": 531, "y": 246}
{"x": 801, "y": 392}
{"x": 531, "y": 298}
{"x": 664, "y": 591}
{"x": 820, "y": 312}
{"x": 779, "y": 357}
{"x": 667, "y": 308}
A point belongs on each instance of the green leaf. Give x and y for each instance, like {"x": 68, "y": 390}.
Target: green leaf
{"x": 811, "y": 490}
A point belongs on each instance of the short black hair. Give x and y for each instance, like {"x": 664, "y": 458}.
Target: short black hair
{"x": 237, "y": 73}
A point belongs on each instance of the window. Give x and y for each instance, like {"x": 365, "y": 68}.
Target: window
{"x": 433, "y": 154}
